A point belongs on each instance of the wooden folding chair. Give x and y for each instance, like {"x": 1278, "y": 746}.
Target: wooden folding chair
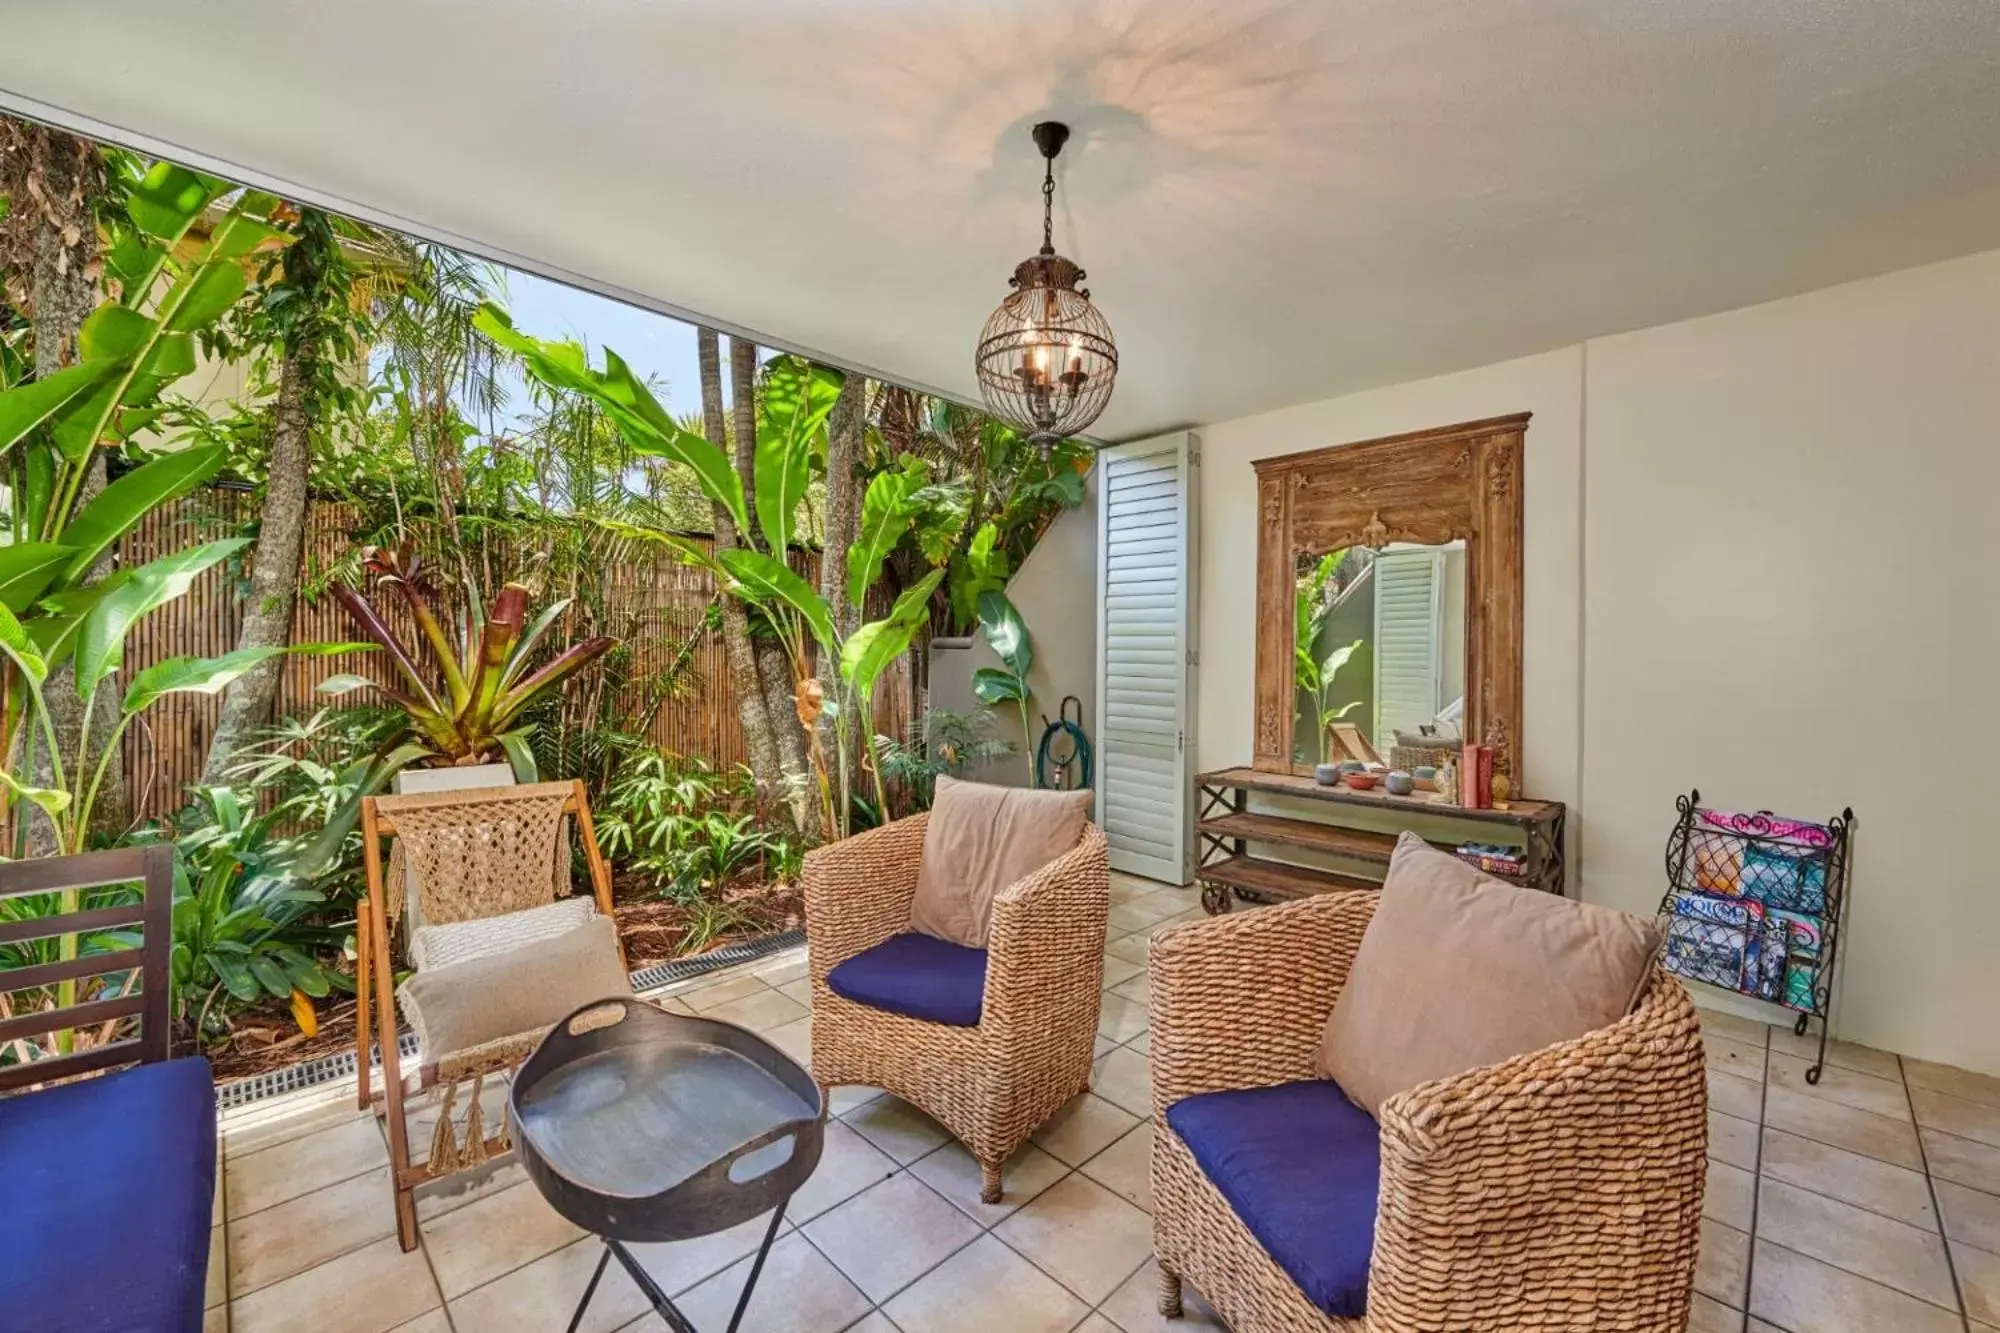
{"x": 474, "y": 854}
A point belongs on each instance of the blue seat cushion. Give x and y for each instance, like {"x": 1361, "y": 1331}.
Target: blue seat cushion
{"x": 1300, "y": 1164}
{"x": 110, "y": 1184}
{"x": 918, "y": 976}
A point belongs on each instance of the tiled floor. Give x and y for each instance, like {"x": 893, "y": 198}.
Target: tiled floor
{"x": 1867, "y": 1204}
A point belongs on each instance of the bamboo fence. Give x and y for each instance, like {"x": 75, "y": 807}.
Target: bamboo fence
{"x": 654, "y": 603}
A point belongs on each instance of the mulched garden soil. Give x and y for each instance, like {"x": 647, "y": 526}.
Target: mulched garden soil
{"x": 266, "y": 1038}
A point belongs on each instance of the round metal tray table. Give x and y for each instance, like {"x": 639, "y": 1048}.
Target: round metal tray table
{"x": 641, "y": 1125}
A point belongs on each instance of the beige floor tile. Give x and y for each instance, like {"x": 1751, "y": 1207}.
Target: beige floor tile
{"x": 1101, "y": 1047}
{"x": 1863, "y": 1092}
{"x": 1732, "y": 1140}
{"x": 215, "y": 1287}
{"x": 1722, "y": 1264}
{"x": 302, "y": 1233}
{"x": 1713, "y": 1317}
{"x": 265, "y": 1124}
{"x": 216, "y": 1320}
{"x": 1097, "y": 1323}
{"x": 705, "y": 997}
{"x": 874, "y": 1323}
{"x": 681, "y": 1264}
{"x": 783, "y": 969}
{"x": 1126, "y": 1168}
{"x": 371, "y": 1290}
{"x": 800, "y": 1291}
{"x": 1125, "y": 1079}
{"x": 888, "y": 1236}
{"x": 1118, "y": 969}
{"x": 848, "y": 1164}
{"x": 1880, "y": 1187}
{"x": 1126, "y": 889}
{"x": 257, "y": 1180}
{"x": 850, "y": 1097}
{"x": 215, "y": 1203}
{"x": 1739, "y": 1097}
{"x": 1726, "y": 1056}
{"x": 1136, "y": 989}
{"x": 985, "y": 1288}
{"x": 897, "y": 1128}
{"x": 1082, "y": 1235}
{"x": 1746, "y": 1030}
{"x": 1731, "y": 1195}
{"x": 1801, "y": 1295}
{"x": 952, "y": 1172}
{"x": 794, "y": 1039}
{"x": 462, "y": 1187}
{"x": 1952, "y": 1081}
{"x": 1845, "y": 1054}
{"x": 1955, "y": 1115}
{"x": 1972, "y": 1216}
{"x": 1144, "y": 911}
{"x": 1168, "y": 923}
{"x": 1084, "y": 1127}
{"x": 1131, "y": 948}
{"x": 1878, "y": 1248}
{"x": 471, "y": 1246}
{"x": 1961, "y": 1161}
{"x": 541, "y": 1296}
{"x": 1135, "y": 1306}
{"x": 434, "y": 1322}
{"x": 799, "y": 992}
{"x": 760, "y": 1012}
{"x": 1143, "y": 1043}
{"x": 1978, "y": 1281}
{"x": 1120, "y": 1019}
{"x": 1843, "y": 1127}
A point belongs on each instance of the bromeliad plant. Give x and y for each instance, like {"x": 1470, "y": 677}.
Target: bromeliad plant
{"x": 489, "y": 675}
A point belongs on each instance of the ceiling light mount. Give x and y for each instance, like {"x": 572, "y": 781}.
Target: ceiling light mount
{"x": 1046, "y": 358}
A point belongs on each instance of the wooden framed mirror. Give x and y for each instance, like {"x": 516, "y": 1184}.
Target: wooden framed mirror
{"x": 1401, "y": 558}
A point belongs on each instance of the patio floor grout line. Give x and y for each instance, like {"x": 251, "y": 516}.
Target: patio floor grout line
{"x": 1937, "y": 1204}
{"x": 1756, "y": 1182}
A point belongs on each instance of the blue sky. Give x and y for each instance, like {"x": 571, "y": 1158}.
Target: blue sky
{"x": 657, "y": 347}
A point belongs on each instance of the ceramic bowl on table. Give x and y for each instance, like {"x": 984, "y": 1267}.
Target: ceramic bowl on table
{"x": 1399, "y": 783}
{"x": 1363, "y": 780}
{"x": 1327, "y": 775}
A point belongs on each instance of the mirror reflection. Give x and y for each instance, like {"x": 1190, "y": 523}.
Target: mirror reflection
{"x": 1378, "y": 651}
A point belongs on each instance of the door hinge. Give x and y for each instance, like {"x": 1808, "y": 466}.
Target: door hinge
{"x": 1180, "y": 741}
{"x": 1194, "y": 657}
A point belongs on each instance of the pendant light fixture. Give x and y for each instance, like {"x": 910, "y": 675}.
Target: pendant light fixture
{"x": 1046, "y": 357}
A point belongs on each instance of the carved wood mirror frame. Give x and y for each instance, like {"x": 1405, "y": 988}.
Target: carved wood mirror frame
{"x": 1454, "y": 483}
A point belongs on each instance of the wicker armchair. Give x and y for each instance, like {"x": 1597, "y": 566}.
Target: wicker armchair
{"x": 993, "y": 1084}
{"x": 1558, "y": 1189}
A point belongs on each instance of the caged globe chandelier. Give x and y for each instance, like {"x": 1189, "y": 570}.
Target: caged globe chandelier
{"x": 1046, "y": 357}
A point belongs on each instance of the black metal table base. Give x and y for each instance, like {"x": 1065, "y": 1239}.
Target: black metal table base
{"x": 664, "y": 1305}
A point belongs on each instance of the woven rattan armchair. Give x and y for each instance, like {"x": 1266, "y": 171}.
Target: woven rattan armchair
{"x": 476, "y": 853}
{"x": 993, "y": 1084}
{"x": 1559, "y": 1189}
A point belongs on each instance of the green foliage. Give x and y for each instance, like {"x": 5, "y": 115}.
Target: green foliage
{"x": 684, "y": 829}
{"x": 246, "y": 921}
{"x": 941, "y": 743}
{"x": 1007, "y": 634}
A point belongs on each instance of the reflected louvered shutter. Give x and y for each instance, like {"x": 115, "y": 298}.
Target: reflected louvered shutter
{"x": 1145, "y": 641}
{"x": 1408, "y": 663}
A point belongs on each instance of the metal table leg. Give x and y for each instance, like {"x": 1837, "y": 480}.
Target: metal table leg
{"x": 662, "y": 1303}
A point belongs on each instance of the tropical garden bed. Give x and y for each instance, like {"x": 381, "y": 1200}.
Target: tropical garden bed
{"x": 505, "y": 511}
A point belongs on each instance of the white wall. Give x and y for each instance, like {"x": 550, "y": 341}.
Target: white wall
{"x": 1751, "y": 539}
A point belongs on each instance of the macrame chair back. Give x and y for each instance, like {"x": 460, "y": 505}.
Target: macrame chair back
{"x": 481, "y": 852}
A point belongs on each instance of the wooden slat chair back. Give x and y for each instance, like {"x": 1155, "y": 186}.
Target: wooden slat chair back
{"x": 135, "y": 980}
{"x": 475, "y": 853}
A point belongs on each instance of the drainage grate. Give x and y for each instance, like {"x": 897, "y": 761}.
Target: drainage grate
{"x": 296, "y": 1078}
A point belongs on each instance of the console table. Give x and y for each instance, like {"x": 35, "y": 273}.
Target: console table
{"x": 1227, "y": 827}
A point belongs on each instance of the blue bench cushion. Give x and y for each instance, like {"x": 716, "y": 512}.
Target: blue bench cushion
{"x": 918, "y": 976}
{"x": 110, "y": 1187}
{"x": 1300, "y": 1165}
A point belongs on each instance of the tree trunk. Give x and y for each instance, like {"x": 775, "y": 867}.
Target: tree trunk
{"x": 844, "y": 427}
{"x": 275, "y": 567}
{"x": 745, "y": 682}
{"x": 67, "y": 178}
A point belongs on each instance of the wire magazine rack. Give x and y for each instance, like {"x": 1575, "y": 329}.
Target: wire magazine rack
{"x": 1754, "y": 905}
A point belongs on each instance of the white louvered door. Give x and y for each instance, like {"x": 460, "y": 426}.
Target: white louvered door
{"x": 1408, "y": 662}
{"x": 1146, "y": 535}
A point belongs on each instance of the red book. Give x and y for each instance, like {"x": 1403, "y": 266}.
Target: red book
{"x": 1485, "y": 777}
{"x": 1475, "y": 777}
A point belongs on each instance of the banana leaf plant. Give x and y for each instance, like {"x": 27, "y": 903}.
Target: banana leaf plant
{"x": 474, "y": 715}
{"x": 791, "y": 423}
{"x": 1007, "y": 634}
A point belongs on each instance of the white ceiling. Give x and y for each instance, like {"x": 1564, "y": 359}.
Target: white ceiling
{"x": 1277, "y": 200}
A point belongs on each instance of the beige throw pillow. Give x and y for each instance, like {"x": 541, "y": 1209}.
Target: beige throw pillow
{"x": 981, "y": 839}
{"x": 1459, "y": 970}
{"x": 462, "y": 1005}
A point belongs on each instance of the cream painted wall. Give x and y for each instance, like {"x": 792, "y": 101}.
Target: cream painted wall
{"x": 1710, "y": 506}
